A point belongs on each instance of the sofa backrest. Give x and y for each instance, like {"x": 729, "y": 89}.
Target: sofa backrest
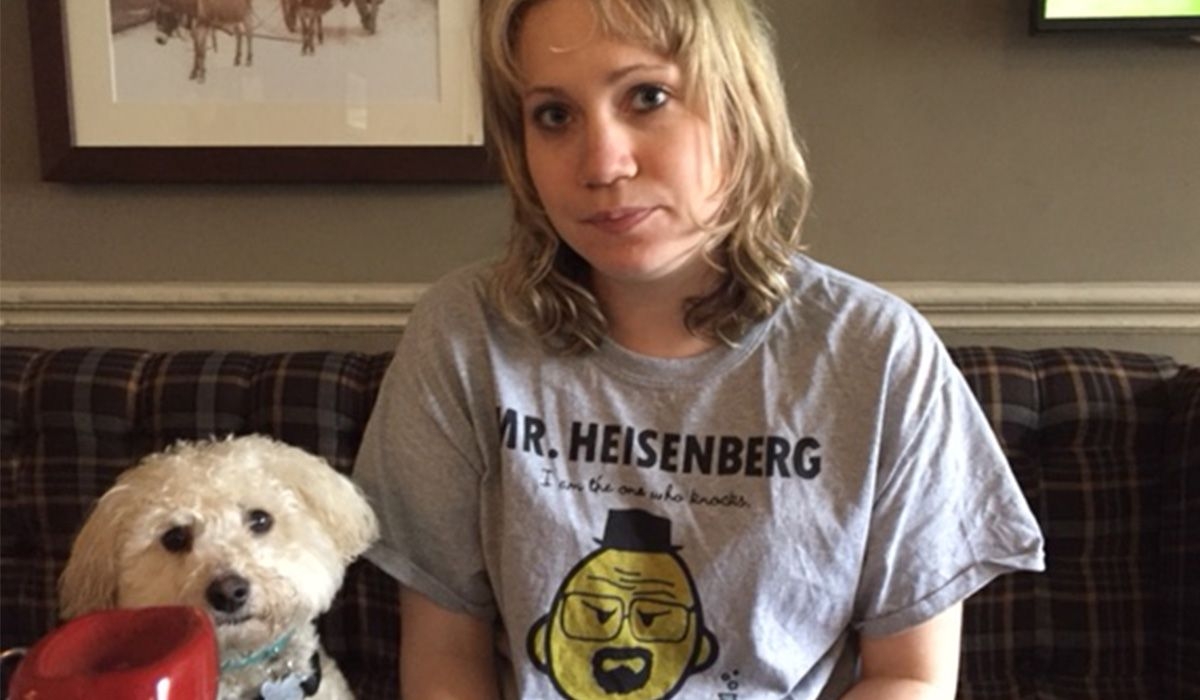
{"x": 1097, "y": 441}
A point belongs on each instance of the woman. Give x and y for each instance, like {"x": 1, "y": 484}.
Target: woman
{"x": 655, "y": 451}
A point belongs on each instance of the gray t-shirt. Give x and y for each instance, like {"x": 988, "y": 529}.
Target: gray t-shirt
{"x": 718, "y": 526}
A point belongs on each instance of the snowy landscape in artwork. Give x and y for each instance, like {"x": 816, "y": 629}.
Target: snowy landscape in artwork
{"x": 167, "y": 73}
{"x": 398, "y": 62}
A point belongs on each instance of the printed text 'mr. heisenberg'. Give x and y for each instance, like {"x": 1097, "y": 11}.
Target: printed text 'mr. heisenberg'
{"x": 623, "y": 445}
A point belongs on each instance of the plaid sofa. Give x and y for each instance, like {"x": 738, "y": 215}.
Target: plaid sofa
{"x": 1106, "y": 446}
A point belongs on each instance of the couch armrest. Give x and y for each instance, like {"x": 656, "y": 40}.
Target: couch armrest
{"x": 1179, "y": 631}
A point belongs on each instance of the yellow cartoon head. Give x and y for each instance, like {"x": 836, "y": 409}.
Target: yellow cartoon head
{"x": 626, "y": 622}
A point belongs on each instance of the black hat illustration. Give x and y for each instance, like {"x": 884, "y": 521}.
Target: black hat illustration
{"x": 637, "y": 531}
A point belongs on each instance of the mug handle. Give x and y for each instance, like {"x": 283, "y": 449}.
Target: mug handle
{"x": 13, "y": 654}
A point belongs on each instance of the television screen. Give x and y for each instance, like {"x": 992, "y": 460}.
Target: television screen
{"x": 1147, "y": 15}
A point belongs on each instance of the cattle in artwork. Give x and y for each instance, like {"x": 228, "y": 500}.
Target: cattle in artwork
{"x": 368, "y": 10}
{"x": 309, "y": 14}
{"x": 174, "y": 18}
{"x": 306, "y": 17}
{"x": 204, "y": 17}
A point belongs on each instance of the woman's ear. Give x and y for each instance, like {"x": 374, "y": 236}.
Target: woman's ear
{"x": 89, "y": 581}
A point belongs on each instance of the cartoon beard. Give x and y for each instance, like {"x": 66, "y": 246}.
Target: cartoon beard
{"x": 621, "y": 670}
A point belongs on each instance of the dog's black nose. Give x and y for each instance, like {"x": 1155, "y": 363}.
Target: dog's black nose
{"x": 228, "y": 593}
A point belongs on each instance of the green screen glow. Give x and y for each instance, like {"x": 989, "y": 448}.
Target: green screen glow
{"x": 1108, "y": 9}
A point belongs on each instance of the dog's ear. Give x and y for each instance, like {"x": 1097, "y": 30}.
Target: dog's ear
{"x": 89, "y": 581}
{"x": 334, "y": 500}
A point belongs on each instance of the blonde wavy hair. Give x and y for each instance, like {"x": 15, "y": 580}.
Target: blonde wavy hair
{"x": 725, "y": 51}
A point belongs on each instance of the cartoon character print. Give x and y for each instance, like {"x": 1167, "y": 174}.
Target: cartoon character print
{"x": 626, "y": 622}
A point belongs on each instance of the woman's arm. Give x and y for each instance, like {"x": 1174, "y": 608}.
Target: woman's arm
{"x": 444, "y": 655}
{"x": 918, "y": 663}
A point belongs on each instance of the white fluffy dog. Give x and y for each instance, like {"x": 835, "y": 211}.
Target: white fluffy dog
{"x": 253, "y": 531}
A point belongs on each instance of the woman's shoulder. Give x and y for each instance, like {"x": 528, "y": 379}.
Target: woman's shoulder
{"x": 851, "y": 317}
{"x": 454, "y": 305}
{"x": 464, "y": 285}
{"x": 860, "y": 338}
{"x": 838, "y": 297}
{"x": 459, "y": 307}
{"x": 458, "y": 295}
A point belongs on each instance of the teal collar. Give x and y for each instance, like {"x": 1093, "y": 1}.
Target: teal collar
{"x": 269, "y": 651}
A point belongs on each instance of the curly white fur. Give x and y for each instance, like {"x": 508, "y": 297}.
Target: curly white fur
{"x": 216, "y": 498}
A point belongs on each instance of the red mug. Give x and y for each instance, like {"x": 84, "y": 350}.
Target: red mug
{"x": 159, "y": 653}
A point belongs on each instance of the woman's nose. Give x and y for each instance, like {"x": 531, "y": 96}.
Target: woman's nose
{"x": 608, "y": 154}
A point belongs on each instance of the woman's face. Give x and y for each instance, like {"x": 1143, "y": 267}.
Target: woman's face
{"x": 621, "y": 162}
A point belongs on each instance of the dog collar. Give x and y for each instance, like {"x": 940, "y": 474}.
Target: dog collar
{"x": 269, "y": 651}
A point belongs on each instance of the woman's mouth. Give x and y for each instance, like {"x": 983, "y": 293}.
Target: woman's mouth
{"x": 618, "y": 220}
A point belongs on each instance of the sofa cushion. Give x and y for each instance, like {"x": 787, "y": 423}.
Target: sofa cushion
{"x": 1085, "y": 432}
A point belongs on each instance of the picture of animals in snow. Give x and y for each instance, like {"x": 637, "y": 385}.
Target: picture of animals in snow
{"x": 352, "y": 52}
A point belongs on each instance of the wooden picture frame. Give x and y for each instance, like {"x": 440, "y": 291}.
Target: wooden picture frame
{"x": 60, "y": 105}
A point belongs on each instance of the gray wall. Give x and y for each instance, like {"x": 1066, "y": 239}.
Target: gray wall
{"x": 946, "y": 144}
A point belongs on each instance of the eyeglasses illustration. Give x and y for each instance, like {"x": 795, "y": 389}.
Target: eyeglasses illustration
{"x": 598, "y": 618}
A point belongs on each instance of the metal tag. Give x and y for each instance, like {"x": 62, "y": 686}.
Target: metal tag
{"x": 284, "y": 689}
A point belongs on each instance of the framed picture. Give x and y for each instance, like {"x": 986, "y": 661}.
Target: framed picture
{"x": 366, "y": 91}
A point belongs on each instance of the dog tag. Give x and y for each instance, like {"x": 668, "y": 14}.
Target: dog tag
{"x": 284, "y": 689}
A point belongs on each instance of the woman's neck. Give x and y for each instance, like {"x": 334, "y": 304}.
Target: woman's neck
{"x": 648, "y": 318}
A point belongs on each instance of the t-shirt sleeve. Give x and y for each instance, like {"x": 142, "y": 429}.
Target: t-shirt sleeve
{"x": 948, "y": 515}
{"x": 421, "y": 467}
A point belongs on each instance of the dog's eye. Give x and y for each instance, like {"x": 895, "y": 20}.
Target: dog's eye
{"x": 259, "y": 521}
{"x": 177, "y": 539}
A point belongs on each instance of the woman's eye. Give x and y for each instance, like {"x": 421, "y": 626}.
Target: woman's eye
{"x": 259, "y": 521}
{"x": 649, "y": 97}
{"x": 178, "y": 539}
{"x": 550, "y": 116}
